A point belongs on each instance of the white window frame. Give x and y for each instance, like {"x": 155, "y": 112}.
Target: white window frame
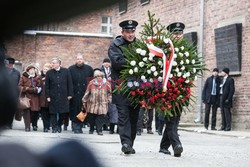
{"x": 108, "y": 25}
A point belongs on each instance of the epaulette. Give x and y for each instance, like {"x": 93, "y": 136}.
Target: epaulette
{"x": 119, "y": 40}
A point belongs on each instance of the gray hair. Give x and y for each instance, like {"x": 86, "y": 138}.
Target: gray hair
{"x": 57, "y": 59}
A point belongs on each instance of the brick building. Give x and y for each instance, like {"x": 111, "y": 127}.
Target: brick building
{"x": 225, "y": 25}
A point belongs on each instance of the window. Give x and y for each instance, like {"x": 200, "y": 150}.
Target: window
{"x": 106, "y": 25}
{"x": 123, "y": 6}
{"x": 144, "y": 2}
{"x": 46, "y": 27}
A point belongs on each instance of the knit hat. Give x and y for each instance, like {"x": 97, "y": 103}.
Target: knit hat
{"x": 106, "y": 60}
{"x": 226, "y": 70}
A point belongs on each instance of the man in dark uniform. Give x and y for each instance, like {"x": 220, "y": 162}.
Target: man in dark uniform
{"x": 127, "y": 113}
{"x": 81, "y": 73}
{"x": 170, "y": 135}
{"x": 210, "y": 96}
{"x": 58, "y": 90}
{"x": 227, "y": 90}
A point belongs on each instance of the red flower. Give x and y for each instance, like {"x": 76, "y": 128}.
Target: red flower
{"x": 188, "y": 95}
{"x": 157, "y": 91}
{"x": 162, "y": 109}
{"x": 169, "y": 106}
{"x": 183, "y": 100}
{"x": 141, "y": 93}
{"x": 163, "y": 100}
{"x": 158, "y": 95}
{"x": 175, "y": 89}
{"x": 174, "y": 78}
{"x": 152, "y": 99}
{"x": 169, "y": 84}
{"x": 174, "y": 96}
{"x": 149, "y": 94}
{"x": 176, "y": 104}
{"x": 137, "y": 90}
{"x": 178, "y": 92}
{"x": 176, "y": 84}
{"x": 166, "y": 104}
{"x": 133, "y": 93}
{"x": 181, "y": 80}
{"x": 170, "y": 90}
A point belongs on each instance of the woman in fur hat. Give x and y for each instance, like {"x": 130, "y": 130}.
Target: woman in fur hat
{"x": 30, "y": 85}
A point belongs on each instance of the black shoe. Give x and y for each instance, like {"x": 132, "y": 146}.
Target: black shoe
{"x": 221, "y": 129}
{"x": 150, "y": 132}
{"x": 54, "y": 130}
{"x": 45, "y": 130}
{"x": 213, "y": 129}
{"x": 65, "y": 128}
{"x": 138, "y": 133}
{"x": 91, "y": 132}
{"x": 132, "y": 151}
{"x": 34, "y": 128}
{"x": 227, "y": 130}
{"x": 164, "y": 151}
{"x": 206, "y": 128}
{"x": 126, "y": 149}
{"x": 59, "y": 130}
{"x": 111, "y": 132}
{"x": 178, "y": 150}
{"x": 100, "y": 133}
{"x": 76, "y": 131}
{"x": 159, "y": 133}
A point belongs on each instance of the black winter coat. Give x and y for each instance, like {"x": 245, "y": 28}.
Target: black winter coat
{"x": 207, "y": 90}
{"x": 117, "y": 62}
{"x": 80, "y": 78}
{"x": 228, "y": 92}
{"x": 58, "y": 86}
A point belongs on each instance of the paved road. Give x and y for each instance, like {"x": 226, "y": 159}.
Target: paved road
{"x": 199, "y": 149}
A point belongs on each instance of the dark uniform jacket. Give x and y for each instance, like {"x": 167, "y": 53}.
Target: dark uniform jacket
{"x": 117, "y": 62}
{"x": 207, "y": 90}
{"x": 58, "y": 86}
{"x": 228, "y": 92}
{"x": 15, "y": 77}
{"x": 80, "y": 78}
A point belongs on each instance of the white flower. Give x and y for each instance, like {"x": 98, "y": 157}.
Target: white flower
{"x": 181, "y": 54}
{"x": 135, "y": 69}
{"x": 177, "y": 70}
{"x": 187, "y": 61}
{"x": 184, "y": 76}
{"x": 182, "y": 47}
{"x": 188, "y": 74}
{"x": 193, "y": 61}
{"x": 155, "y": 73}
{"x": 194, "y": 69}
{"x": 143, "y": 77}
{"x": 133, "y": 63}
{"x": 149, "y": 71}
{"x": 183, "y": 68}
{"x": 175, "y": 56}
{"x": 195, "y": 78}
{"x": 171, "y": 76}
{"x": 187, "y": 81}
{"x": 179, "y": 74}
{"x": 130, "y": 71}
{"x": 174, "y": 63}
{"x": 176, "y": 49}
{"x": 136, "y": 83}
{"x": 160, "y": 63}
{"x": 151, "y": 55}
{"x": 130, "y": 84}
{"x": 145, "y": 80}
{"x": 182, "y": 62}
{"x": 151, "y": 58}
{"x": 138, "y": 50}
{"x": 143, "y": 52}
{"x": 141, "y": 64}
{"x": 186, "y": 53}
{"x": 145, "y": 59}
{"x": 160, "y": 79}
{"x": 161, "y": 71}
{"x": 166, "y": 40}
{"x": 151, "y": 80}
{"x": 153, "y": 68}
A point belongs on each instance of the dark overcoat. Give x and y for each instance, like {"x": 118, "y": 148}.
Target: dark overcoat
{"x": 58, "y": 86}
{"x": 207, "y": 90}
{"x": 80, "y": 78}
{"x": 117, "y": 63}
{"x": 228, "y": 92}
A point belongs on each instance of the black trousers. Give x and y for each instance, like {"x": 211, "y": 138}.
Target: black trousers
{"x": 214, "y": 112}
{"x": 34, "y": 116}
{"x": 127, "y": 123}
{"x": 170, "y": 136}
{"x": 159, "y": 121}
{"x": 45, "y": 117}
{"x": 96, "y": 120}
{"x": 57, "y": 120}
{"x": 149, "y": 113}
{"x": 226, "y": 116}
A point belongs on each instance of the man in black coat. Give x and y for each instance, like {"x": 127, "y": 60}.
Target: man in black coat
{"x": 210, "y": 96}
{"x": 127, "y": 113}
{"x": 227, "y": 90}
{"x": 80, "y": 73}
{"x": 58, "y": 90}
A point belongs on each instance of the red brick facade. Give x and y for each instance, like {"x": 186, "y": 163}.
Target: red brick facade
{"x": 217, "y": 14}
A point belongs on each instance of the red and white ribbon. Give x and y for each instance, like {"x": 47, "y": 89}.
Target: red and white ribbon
{"x": 167, "y": 64}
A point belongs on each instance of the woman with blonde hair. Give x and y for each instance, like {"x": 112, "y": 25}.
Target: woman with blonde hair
{"x": 95, "y": 101}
